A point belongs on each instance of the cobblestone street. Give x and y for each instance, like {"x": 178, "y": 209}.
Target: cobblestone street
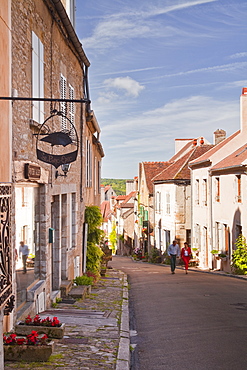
{"x": 92, "y": 331}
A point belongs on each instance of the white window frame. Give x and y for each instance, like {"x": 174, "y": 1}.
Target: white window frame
{"x": 37, "y": 78}
{"x": 88, "y": 164}
{"x": 168, "y": 203}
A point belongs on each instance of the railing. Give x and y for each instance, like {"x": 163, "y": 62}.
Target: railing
{"x": 7, "y": 297}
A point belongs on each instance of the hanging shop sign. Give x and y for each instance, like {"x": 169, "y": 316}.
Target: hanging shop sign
{"x": 32, "y": 172}
{"x": 57, "y": 147}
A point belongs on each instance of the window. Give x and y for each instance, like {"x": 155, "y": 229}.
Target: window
{"x": 37, "y": 78}
{"x": 168, "y": 204}
{"x": 197, "y": 192}
{"x": 63, "y": 105}
{"x": 73, "y": 220}
{"x": 238, "y": 189}
{"x": 197, "y": 236}
{"x": 71, "y": 105}
{"x": 158, "y": 201}
{"x": 204, "y": 192}
{"x": 217, "y": 235}
{"x": 88, "y": 164}
{"x": 217, "y": 189}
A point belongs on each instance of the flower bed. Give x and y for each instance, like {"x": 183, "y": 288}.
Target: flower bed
{"x": 53, "y": 328}
{"x": 31, "y": 348}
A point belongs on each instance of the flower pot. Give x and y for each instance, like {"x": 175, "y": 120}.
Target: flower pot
{"x": 51, "y": 331}
{"x": 28, "y": 353}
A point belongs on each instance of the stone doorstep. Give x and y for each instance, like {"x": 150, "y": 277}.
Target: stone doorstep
{"x": 80, "y": 291}
{"x": 65, "y": 288}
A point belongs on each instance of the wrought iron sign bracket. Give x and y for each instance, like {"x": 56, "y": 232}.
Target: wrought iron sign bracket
{"x": 87, "y": 101}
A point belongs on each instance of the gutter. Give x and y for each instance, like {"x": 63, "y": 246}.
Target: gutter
{"x": 227, "y": 168}
{"x": 206, "y": 162}
{"x": 70, "y": 29}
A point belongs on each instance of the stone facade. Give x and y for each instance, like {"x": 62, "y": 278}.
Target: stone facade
{"x": 55, "y": 232}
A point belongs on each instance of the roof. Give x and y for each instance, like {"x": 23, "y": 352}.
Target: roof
{"x": 236, "y": 159}
{"x": 185, "y": 148}
{"x": 151, "y": 169}
{"x": 179, "y": 170}
{"x": 207, "y": 156}
{"x": 105, "y": 210}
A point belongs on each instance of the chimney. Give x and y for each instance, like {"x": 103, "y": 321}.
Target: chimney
{"x": 219, "y": 135}
{"x": 243, "y": 110}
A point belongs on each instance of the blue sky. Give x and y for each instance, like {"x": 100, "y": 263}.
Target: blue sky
{"x": 162, "y": 70}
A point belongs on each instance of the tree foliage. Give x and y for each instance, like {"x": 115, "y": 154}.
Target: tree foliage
{"x": 118, "y": 185}
{"x": 239, "y": 257}
{"x": 93, "y": 218}
{"x": 113, "y": 238}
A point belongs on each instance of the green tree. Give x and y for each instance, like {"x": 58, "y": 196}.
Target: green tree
{"x": 239, "y": 257}
{"x": 93, "y": 218}
{"x": 113, "y": 237}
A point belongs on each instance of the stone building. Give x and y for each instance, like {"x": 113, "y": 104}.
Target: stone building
{"x": 6, "y": 252}
{"x": 53, "y": 180}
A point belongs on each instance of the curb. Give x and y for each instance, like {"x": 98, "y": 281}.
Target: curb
{"x": 123, "y": 356}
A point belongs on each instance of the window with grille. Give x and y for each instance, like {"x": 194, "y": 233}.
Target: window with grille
{"x": 37, "y": 78}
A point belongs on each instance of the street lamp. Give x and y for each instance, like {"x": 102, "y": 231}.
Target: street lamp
{"x": 65, "y": 168}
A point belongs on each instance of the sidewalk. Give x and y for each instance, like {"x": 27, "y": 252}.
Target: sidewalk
{"x": 97, "y": 330}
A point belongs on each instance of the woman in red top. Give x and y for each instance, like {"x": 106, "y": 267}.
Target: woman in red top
{"x": 186, "y": 255}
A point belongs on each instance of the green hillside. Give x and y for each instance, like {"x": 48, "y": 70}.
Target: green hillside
{"x": 118, "y": 185}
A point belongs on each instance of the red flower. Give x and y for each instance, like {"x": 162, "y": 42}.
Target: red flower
{"x": 28, "y": 320}
{"x": 21, "y": 340}
{"x": 36, "y": 320}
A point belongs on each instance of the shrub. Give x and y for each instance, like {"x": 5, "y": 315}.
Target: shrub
{"x": 83, "y": 280}
{"x": 239, "y": 257}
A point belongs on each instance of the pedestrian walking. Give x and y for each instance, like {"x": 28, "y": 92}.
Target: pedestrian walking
{"x": 173, "y": 252}
{"x": 186, "y": 255}
{"x": 24, "y": 251}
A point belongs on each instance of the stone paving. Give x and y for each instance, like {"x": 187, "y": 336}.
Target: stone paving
{"x": 93, "y": 329}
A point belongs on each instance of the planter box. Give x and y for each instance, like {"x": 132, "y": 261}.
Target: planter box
{"x": 50, "y": 331}
{"x": 28, "y": 353}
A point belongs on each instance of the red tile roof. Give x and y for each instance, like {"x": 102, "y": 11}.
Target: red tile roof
{"x": 151, "y": 169}
{"x": 235, "y": 159}
{"x": 180, "y": 169}
{"x": 207, "y": 155}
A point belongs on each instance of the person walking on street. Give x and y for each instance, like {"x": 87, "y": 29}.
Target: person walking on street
{"x": 186, "y": 255}
{"x": 173, "y": 252}
{"x": 24, "y": 251}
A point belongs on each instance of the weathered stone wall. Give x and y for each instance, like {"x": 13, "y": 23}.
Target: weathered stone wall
{"x": 60, "y": 57}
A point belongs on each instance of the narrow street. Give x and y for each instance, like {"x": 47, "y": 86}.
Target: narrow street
{"x": 185, "y": 322}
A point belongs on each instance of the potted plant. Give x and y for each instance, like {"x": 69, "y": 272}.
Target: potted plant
{"x": 223, "y": 257}
{"x": 30, "y": 348}
{"x": 52, "y": 327}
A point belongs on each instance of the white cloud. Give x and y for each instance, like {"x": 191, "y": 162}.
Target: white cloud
{"x": 130, "y": 86}
{"x": 118, "y": 28}
{"x": 239, "y": 55}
